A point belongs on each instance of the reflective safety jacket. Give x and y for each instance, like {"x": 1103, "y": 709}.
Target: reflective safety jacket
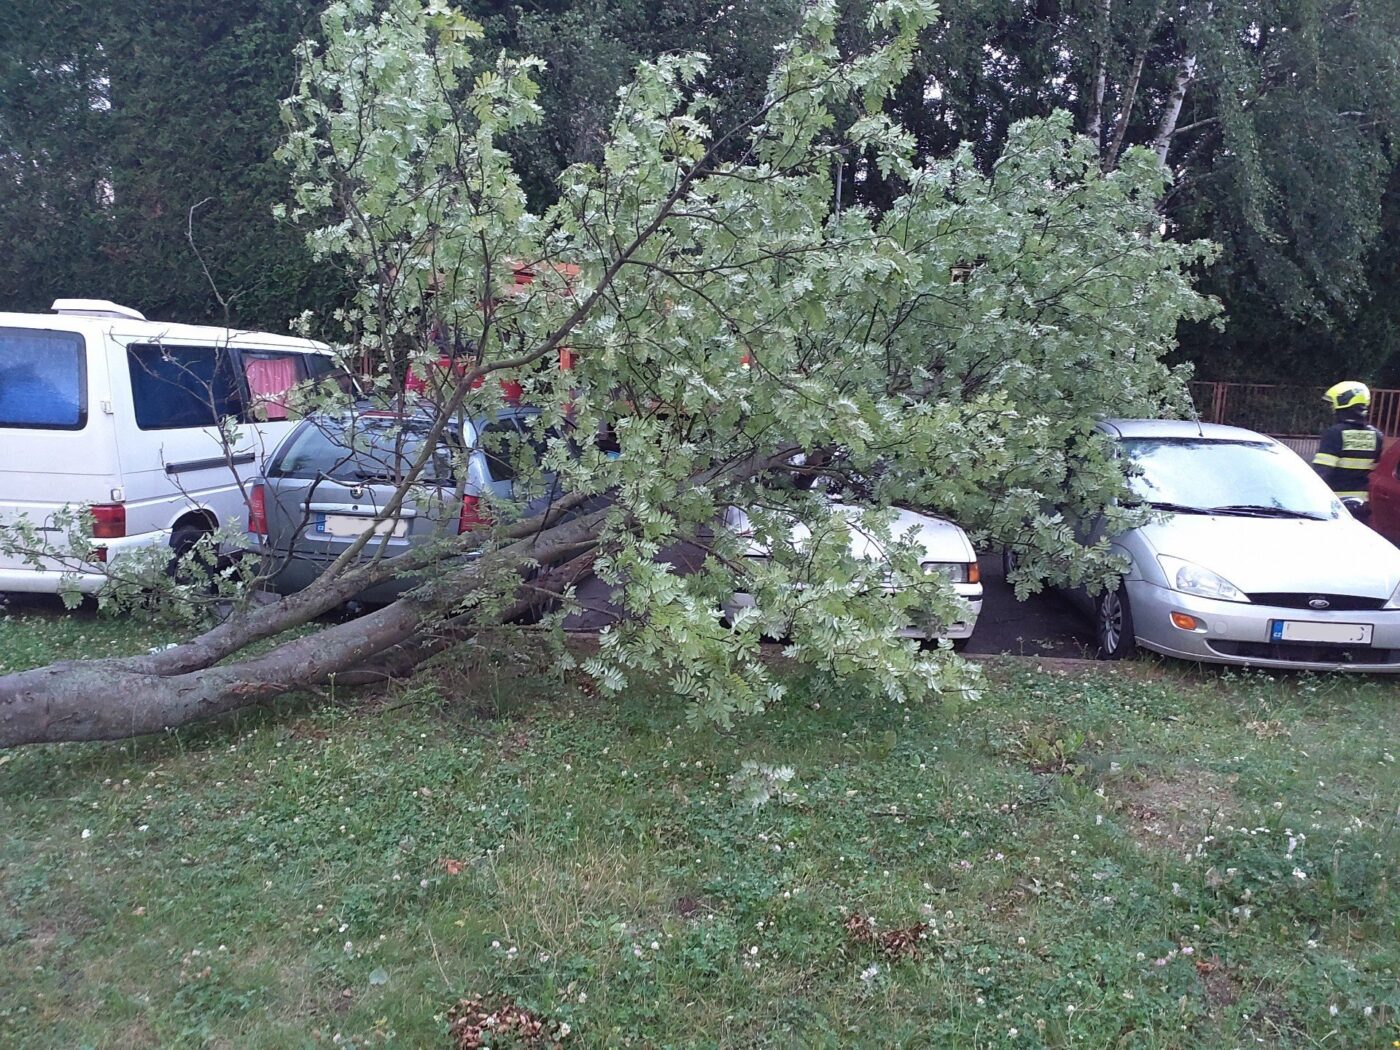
{"x": 1346, "y": 454}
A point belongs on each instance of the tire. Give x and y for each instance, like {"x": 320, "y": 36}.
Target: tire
{"x": 1113, "y": 624}
{"x": 183, "y": 539}
{"x": 1010, "y": 560}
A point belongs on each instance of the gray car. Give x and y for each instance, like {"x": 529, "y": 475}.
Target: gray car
{"x": 328, "y": 480}
{"x": 1252, "y": 559}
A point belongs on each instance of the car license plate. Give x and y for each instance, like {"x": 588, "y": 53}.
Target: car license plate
{"x": 353, "y": 525}
{"x": 1327, "y": 633}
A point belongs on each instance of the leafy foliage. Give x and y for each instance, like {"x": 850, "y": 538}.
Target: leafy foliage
{"x": 725, "y": 317}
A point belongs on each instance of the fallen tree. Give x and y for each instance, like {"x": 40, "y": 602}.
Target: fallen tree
{"x": 694, "y": 297}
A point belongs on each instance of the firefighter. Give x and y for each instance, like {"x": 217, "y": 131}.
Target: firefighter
{"x": 1350, "y": 447}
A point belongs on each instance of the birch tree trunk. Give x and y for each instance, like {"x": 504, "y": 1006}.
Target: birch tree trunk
{"x": 1095, "y": 130}
{"x": 1129, "y": 99}
{"x": 1166, "y": 128}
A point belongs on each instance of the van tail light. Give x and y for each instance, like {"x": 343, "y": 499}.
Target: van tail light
{"x": 473, "y": 514}
{"x": 108, "y": 521}
{"x": 257, "y": 510}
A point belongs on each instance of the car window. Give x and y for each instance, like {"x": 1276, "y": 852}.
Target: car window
{"x": 182, "y": 386}
{"x": 1205, "y": 474}
{"x": 499, "y": 441}
{"x": 42, "y": 379}
{"x": 322, "y": 367}
{"x": 270, "y": 377}
{"x": 366, "y": 448}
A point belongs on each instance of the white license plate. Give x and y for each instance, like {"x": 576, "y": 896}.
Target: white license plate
{"x": 351, "y": 525}
{"x": 1328, "y": 633}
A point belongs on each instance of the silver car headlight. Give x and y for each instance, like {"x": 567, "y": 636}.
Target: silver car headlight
{"x": 1394, "y": 602}
{"x": 1189, "y": 578}
{"x": 953, "y": 571}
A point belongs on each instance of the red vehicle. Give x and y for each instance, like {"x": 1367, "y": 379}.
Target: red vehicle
{"x": 1385, "y": 494}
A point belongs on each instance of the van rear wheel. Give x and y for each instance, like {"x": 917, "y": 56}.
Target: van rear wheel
{"x": 184, "y": 540}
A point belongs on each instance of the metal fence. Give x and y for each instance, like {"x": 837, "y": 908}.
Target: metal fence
{"x": 1284, "y": 411}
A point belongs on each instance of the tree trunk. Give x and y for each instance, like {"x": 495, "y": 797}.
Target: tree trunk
{"x": 114, "y": 699}
{"x": 1172, "y": 114}
{"x": 1129, "y": 99}
{"x": 123, "y": 697}
{"x": 1095, "y": 129}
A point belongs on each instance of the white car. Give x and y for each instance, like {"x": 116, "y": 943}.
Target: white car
{"x": 946, "y": 549}
{"x": 102, "y": 408}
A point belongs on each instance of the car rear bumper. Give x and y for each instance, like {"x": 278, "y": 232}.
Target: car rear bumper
{"x": 1239, "y": 633}
{"x": 287, "y": 575}
{"x": 56, "y": 575}
{"x": 296, "y": 574}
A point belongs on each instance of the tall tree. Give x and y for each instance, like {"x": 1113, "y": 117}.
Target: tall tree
{"x": 1277, "y": 118}
{"x": 121, "y": 120}
{"x": 55, "y": 183}
{"x": 726, "y": 318}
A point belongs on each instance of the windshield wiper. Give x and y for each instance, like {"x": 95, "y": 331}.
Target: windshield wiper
{"x": 1176, "y": 508}
{"x": 1255, "y": 510}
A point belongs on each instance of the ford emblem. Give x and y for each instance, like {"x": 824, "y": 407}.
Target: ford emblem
{"x": 1319, "y": 603}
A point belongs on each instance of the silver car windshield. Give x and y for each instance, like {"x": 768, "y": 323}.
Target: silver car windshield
{"x": 1247, "y": 478}
{"x": 367, "y": 448}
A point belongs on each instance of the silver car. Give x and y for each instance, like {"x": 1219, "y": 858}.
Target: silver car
{"x": 1253, "y": 560}
{"x": 329, "y": 478}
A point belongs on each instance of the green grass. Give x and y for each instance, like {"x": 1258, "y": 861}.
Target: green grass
{"x": 1097, "y": 858}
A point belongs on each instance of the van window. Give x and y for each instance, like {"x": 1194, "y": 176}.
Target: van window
{"x": 182, "y": 386}
{"x": 322, "y": 367}
{"x": 270, "y": 376}
{"x": 43, "y": 379}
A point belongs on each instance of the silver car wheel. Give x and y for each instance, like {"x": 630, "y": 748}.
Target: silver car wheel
{"x": 1114, "y": 625}
{"x": 1111, "y": 616}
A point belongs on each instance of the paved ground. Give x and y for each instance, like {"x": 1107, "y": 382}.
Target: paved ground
{"x": 1044, "y": 625}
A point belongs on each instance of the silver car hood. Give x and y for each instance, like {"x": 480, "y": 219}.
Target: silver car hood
{"x": 1339, "y": 556}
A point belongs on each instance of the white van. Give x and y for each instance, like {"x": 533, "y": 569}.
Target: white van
{"x": 103, "y": 408}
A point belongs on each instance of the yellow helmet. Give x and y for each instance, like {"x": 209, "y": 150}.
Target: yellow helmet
{"x": 1348, "y": 394}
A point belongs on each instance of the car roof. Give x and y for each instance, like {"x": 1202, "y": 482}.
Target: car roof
{"x": 417, "y": 411}
{"x": 1176, "y": 428}
{"x": 129, "y": 329}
